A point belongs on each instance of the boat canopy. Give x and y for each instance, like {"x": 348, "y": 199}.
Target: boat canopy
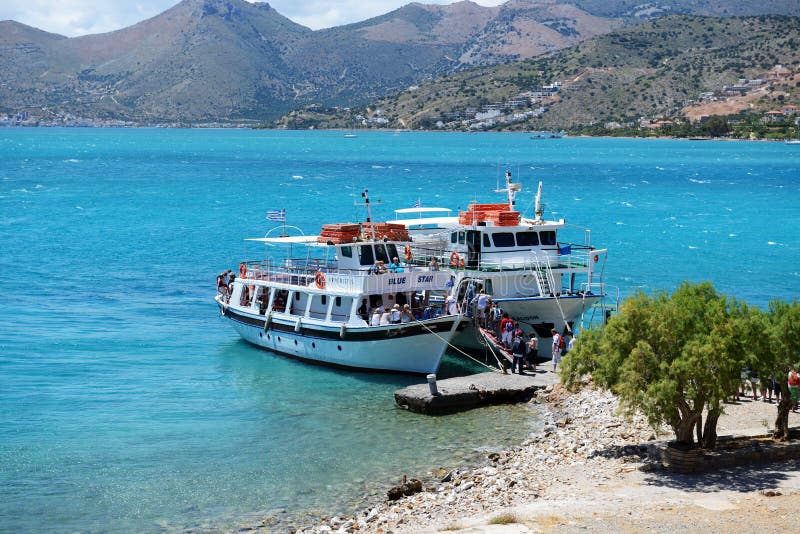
{"x": 286, "y": 240}
{"x": 423, "y": 210}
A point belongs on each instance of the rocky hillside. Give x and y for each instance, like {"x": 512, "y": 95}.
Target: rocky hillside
{"x": 220, "y": 60}
{"x": 643, "y": 71}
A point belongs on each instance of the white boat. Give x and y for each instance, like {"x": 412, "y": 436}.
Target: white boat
{"x": 529, "y": 270}
{"x": 318, "y": 308}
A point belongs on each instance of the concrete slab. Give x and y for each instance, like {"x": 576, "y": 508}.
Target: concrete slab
{"x": 467, "y": 392}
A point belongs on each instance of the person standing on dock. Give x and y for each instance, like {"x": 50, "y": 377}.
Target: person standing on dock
{"x": 518, "y": 348}
{"x": 557, "y": 348}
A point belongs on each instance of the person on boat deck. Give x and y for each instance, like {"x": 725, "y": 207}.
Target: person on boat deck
{"x": 386, "y": 318}
{"x": 434, "y": 264}
{"x": 222, "y": 286}
{"x": 362, "y": 310}
{"x": 378, "y": 268}
{"x": 451, "y": 305}
{"x": 396, "y": 314}
{"x": 376, "y": 318}
{"x": 407, "y": 316}
{"x": 395, "y": 266}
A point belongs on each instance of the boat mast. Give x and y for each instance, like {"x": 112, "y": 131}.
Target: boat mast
{"x": 539, "y": 210}
{"x": 365, "y": 196}
{"x": 511, "y": 190}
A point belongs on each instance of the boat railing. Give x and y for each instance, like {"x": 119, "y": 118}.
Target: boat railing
{"x": 305, "y": 273}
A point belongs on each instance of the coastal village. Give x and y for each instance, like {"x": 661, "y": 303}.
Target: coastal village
{"x": 728, "y": 100}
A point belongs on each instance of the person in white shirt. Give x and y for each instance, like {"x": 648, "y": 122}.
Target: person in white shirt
{"x": 376, "y": 318}
{"x": 556, "y": 349}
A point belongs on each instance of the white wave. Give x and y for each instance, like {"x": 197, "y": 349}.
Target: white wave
{"x": 692, "y": 247}
{"x": 72, "y": 160}
{"x": 699, "y": 181}
{"x": 296, "y": 177}
{"x": 39, "y": 186}
{"x": 772, "y": 243}
{"x": 731, "y": 235}
{"x": 79, "y": 208}
{"x": 620, "y": 223}
{"x": 626, "y": 204}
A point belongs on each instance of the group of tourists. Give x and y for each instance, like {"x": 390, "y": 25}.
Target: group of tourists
{"x": 769, "y": 387}
{"x": 224, "y": 281}
{"x": 395, "y": 315}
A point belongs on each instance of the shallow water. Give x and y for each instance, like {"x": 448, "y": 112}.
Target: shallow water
{"x": 126, "y": 404}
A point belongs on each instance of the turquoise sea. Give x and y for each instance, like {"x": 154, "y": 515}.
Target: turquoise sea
{"x": 127, "y": 405}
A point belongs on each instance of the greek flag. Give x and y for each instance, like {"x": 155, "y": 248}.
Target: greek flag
{"x": 276, "y": 215}
{"x": 418, "y": 203}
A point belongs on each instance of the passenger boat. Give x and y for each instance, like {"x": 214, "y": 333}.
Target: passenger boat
{"x": 524, "y": 264}
{"x": 318, "y": 308}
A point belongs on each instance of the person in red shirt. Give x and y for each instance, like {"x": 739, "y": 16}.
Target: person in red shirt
{"x": 506, "y": 331}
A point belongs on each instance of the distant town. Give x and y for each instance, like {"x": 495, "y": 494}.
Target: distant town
{"x": 524, "y": 107}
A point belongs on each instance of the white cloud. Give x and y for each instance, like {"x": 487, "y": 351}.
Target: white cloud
{"x": 81, "y": 17}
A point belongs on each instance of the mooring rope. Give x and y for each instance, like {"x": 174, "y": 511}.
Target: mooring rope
{"x": 459, "y": 350}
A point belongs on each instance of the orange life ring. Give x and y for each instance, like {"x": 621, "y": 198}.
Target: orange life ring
{"x": 319, "y": 279}
{"x": 409, "y": 255}
{"x": 242, "y": 270}
{"x": 454, "y": 257}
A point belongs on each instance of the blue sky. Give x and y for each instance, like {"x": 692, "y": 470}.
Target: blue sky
{"x": 81, "y": 17}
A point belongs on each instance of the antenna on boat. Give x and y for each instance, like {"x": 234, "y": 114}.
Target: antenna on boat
{"x": 539, "y": 209}
{"x": 365, "y": 196}
{"x": 511, "y": 190}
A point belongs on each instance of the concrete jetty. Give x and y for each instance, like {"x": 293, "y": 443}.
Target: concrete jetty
{"x": 467, "y": 392}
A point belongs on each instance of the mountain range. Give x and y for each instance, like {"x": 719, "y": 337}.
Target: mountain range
{"x": 231, "y": 60}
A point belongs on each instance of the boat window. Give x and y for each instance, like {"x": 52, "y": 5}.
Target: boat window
{"x": 527, "y": 239}
{"x": 461, "y": 238}
{"x": 392, "y": 250}
{"x": 297, "y": 296}
{"x": 365, "y": 255}
{"x": 486, "y": 242}
{"x": 347, "y": 252}
{"x": 489, "y": 289}
{"x": 454, "y": 238}
{"x": 324, "y": 300}
{"x": 338, "y": 302}
{"x": 380, "y": 253}
{"x": 503, "y": 239}
{"x": 548, "y": 238}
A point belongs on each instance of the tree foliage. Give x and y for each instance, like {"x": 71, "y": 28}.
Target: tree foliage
{"x": 668, "y": 356}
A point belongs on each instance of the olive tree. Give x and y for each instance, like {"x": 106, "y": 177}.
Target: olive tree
{"x": 669, "y": 356}
{"x": 779, "y": 351}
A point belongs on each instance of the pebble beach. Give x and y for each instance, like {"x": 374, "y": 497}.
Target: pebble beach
{"x": 588, "y": 471}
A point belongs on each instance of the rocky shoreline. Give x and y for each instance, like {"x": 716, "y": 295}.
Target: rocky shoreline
{"x": 588, "y": 469}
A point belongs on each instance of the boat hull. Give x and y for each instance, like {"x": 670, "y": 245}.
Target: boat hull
{"x": 535, "y": 314}
{"x": 408, "y": 348}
